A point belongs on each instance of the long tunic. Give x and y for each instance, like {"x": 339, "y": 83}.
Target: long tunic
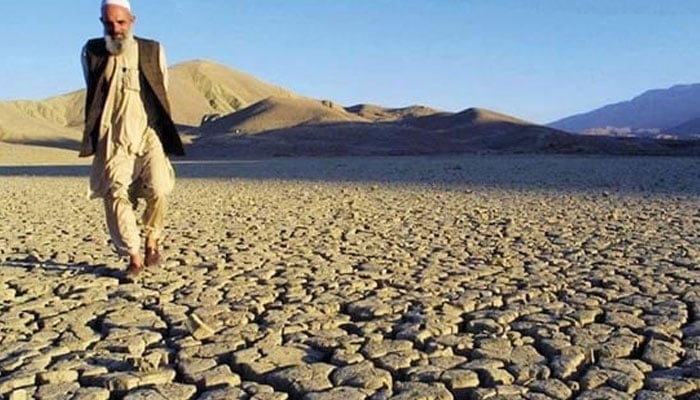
{"x": 124, "y": 127}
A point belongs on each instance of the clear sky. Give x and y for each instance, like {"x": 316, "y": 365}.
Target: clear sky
{"x": 539, "y": 60}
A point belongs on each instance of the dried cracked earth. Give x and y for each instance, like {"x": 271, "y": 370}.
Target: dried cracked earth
{"x": 475, "y": 277}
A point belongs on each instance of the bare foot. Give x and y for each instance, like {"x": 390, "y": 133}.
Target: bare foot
{"x": 152, "y": 255}
{"x": 135, "y": 265}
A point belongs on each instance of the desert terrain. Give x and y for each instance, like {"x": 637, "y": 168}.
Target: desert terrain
{"x": 316, "y": 251}
{"x": 227, "y": 114}
{"x": 444, "y": 277}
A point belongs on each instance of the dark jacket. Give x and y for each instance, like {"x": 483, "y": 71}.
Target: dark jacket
{"x": 153, "y": 94}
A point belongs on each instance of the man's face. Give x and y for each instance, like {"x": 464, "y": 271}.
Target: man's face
{"x": 117, "y": 21}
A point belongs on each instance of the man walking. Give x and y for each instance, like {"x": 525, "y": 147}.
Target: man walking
{"x": 129, "y": 130}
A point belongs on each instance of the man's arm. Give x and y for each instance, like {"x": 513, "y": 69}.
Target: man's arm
{"x": 83, "y": 61}
{"x": 163, "y": 66}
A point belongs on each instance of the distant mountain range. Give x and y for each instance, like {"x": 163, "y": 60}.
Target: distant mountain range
{"x": 227, "y": 113}
{"x": 673, "y": 112}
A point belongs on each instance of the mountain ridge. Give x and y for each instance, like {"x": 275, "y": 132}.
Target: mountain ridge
{"x": 653, "y": 112}
{"x": 223, "y": 113}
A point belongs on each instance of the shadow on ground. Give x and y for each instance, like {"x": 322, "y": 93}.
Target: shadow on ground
{"x": 640, "y": 174}
{"x": 29, "y": 263}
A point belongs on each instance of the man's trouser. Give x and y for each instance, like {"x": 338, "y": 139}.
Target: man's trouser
{"x": 149, "y": 176}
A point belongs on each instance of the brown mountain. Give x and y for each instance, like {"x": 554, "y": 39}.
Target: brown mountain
{"x": 270, "y": 129}
{"x": 280, "y": 113}
{"x": 201, "y": 89}
{"x": 55, "y": 120}
{"x": 198, "y": 89}
{"x": 230, "y": 113}
{"x": 376, "y": 113}
{"x": 471, "y": 118}
{"x": 331, "y": 132}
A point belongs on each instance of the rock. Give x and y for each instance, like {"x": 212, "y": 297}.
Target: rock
{"x": 594, "y": 378}
{"x": 343, "y": 357}
{"x": 446, "y": 362}
{"x": 568, "y": 362}
{"x": 301, "y": 379}
{"x": 457, "y": 380}
{"x": 636, "y": 369}
{"x": 16, "y": 381}
{"x": 133, "y": 345}
{"x": 362, "y": 375}
{"x": 675, "y": 386}
{"x": 553, "y": 347}
{"x": 498, "y": 348}
{"x": 397, "y": 361}
{"x": 375, "y": 349}
{"x": 218, "y": 376}
{"x": 150, "y": 361}
{"x": 271, "y": 396}
{"x": 483, "y": 394}
{"x": 91, "y": 393}
{"x": 661, "y": 354}
{"x": 603, "y": 393}
{"x": 220, "y": 350}
{"x": 53, "y": 377}
{"x": 624, "y": 320}
{"x": 192, "y": 368}
{"x": 484, "y": 326}
{"x": 164, "y": 391}
{"x": 692, "y": 329}
{"x": 256, "y": 363}
{"x": 491, "y": 377}
{"x": 483, "y": 363}
{"x": 56, "y": 391}
{"x": 620, "y": 346}
{"x": 652, "y": 395}
{"x": 127, "y": 381}
{"x": 197, "y": 328}
{"x": 625, "y": 382}
{"x": 527, "y": 364}
{"x": 224, "y": 393}
{"x": 552, "y": 387}
{"x": 421, "y": 391}
{"x": 22, "y": 394}
{"x": 342, "y": 392}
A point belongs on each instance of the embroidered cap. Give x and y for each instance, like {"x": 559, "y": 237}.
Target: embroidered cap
{"x": 120, "y": 3}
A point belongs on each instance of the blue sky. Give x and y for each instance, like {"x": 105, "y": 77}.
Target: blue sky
{"x": 539, "y": 60}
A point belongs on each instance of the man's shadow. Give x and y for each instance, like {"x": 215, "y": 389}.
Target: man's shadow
{"x": 31, "y": 263}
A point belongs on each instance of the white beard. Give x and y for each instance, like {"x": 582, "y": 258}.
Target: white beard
{"x": 116, "y": 46}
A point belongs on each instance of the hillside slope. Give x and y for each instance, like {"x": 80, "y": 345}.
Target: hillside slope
{"x": 197, "y": 89}
{"x": 279, "y": 113}
{"x": 652, "y": 111}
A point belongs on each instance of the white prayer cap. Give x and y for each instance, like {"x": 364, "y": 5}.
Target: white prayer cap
{"x": 120, "y": 3}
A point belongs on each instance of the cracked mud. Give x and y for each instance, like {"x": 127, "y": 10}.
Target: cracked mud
{"x": 476, "y": 277}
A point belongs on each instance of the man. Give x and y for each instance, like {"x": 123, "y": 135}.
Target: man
{"x": 129, "y": 130}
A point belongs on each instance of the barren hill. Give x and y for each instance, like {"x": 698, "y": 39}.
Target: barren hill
{"x": 204, "y": 88}
{"x": 381, "y": 114}
{"x": 57, "y": 120}
{"x": 279, "y": 113}
{"x": 233, "y": 114}
{"x": 197, "y": 89}
{"x": 473, "y": 118}
{"x": 271, "y": 128}
{"x": 472, "y": 130}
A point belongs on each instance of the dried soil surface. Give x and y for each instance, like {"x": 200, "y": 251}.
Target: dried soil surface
{"x": 474, "y": 277}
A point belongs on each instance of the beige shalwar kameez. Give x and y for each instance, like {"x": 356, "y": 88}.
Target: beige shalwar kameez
{"x": 129, "y": 161}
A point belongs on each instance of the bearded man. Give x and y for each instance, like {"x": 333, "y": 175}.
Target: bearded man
{"x": 130, "y": 131}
